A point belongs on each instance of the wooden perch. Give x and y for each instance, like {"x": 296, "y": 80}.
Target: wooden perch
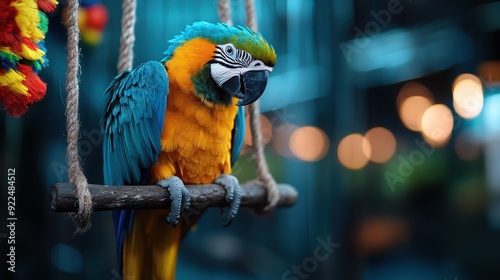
{"x": 63, "y": 197}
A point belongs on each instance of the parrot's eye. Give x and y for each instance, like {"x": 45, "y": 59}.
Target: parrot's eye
{"x": 229, "y": 50}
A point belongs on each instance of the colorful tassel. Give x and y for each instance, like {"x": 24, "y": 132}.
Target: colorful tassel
{"x": 47, "y": 6}
{"x": 22, "y": 53}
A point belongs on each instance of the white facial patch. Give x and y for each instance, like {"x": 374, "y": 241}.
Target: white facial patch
{"x": 230, "y": 61}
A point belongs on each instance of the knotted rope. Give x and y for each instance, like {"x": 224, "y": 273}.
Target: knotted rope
{"x": 75, "y": 172}
{"x": 264, "y": 177}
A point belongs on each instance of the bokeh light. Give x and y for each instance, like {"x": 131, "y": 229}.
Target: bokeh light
{"x": 281, "y": 139}
{"x": 491, "y": 116}
{"x": 266, "y": 127}
{"x": 465, "y": 76}
{"x": 412, "y": 110}
{"x": 382, "y": 144}
{"x": 309, "y": 143}
{"x": 437, "y": 125}
{"x": 354, "y": 151}
{"x": 490, "y": 70}
{"x": 413, "y": 89}
{"x": 468, "y": 98}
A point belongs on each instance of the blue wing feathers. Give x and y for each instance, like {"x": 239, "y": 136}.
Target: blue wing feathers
{"x": 133, "y": 121}
{"x": 238, "y": 134}
{"x": 131, "y": 126}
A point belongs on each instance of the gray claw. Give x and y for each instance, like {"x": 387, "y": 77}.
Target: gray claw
{"x": 233, "y": 196}
{"x": 179, "y": 196}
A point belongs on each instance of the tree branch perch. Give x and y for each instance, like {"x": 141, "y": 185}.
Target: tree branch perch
{"x": 64, "y": 198}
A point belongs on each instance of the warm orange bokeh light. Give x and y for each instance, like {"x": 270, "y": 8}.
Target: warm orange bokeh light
{"x": 412, "y": 110}
{"x": 379, "y": 234}
{"x": 309, "y": 143}
{"x": 413, "y": 89}
{"x": 465, "y": 76}
{"x": 382, "y": 144}
{"x": 354, "y": 151}
{"x": 490, "y": 70}
{"x": 468, "y": 97}
{"x": 266, "y": 127}
{"x": 437, "y": 125}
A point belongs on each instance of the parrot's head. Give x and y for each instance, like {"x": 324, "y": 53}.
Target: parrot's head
{"x": 219, "y": 62}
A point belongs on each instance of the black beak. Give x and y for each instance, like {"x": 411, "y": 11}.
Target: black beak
{"x": 248, "y": 87}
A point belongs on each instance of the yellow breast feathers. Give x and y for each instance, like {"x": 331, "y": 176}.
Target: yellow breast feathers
{"x": 196, "y": 137}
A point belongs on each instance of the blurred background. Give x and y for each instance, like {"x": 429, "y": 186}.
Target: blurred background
{"x": 383, "y": 114}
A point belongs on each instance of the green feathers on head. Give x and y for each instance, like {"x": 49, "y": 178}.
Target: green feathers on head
{"x": 220, "y": 33}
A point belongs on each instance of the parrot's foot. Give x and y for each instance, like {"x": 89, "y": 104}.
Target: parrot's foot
{"x": 233, "y": 196}
{"x": 179, "y": 196}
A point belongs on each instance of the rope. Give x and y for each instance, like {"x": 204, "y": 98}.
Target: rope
{"x": 264, "y": 177}
{"x": 263, "y": 174}
{"x": 75, "y": 172}
{"x": 224, "y": 9}
{"x": 251, "y": 16}
{"x": 127, "y": 38}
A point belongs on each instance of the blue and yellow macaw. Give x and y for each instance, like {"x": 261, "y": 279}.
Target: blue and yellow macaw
{"x": 175, "y": 122}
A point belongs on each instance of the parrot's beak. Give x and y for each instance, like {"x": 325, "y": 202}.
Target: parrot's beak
{"x": 247, "y": 87}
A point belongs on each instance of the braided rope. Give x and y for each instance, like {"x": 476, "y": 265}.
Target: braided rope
{"x": 75, "y": 172}
{"x": 224, "y": 10}
{"x": 264, "y": 177}
{"x": 263, "y": 174}
{"x": 251, "y": 16}
{"x": 127, "y": 38}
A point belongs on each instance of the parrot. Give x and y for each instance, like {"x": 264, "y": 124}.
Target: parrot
{"x": 178, "y": 121}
